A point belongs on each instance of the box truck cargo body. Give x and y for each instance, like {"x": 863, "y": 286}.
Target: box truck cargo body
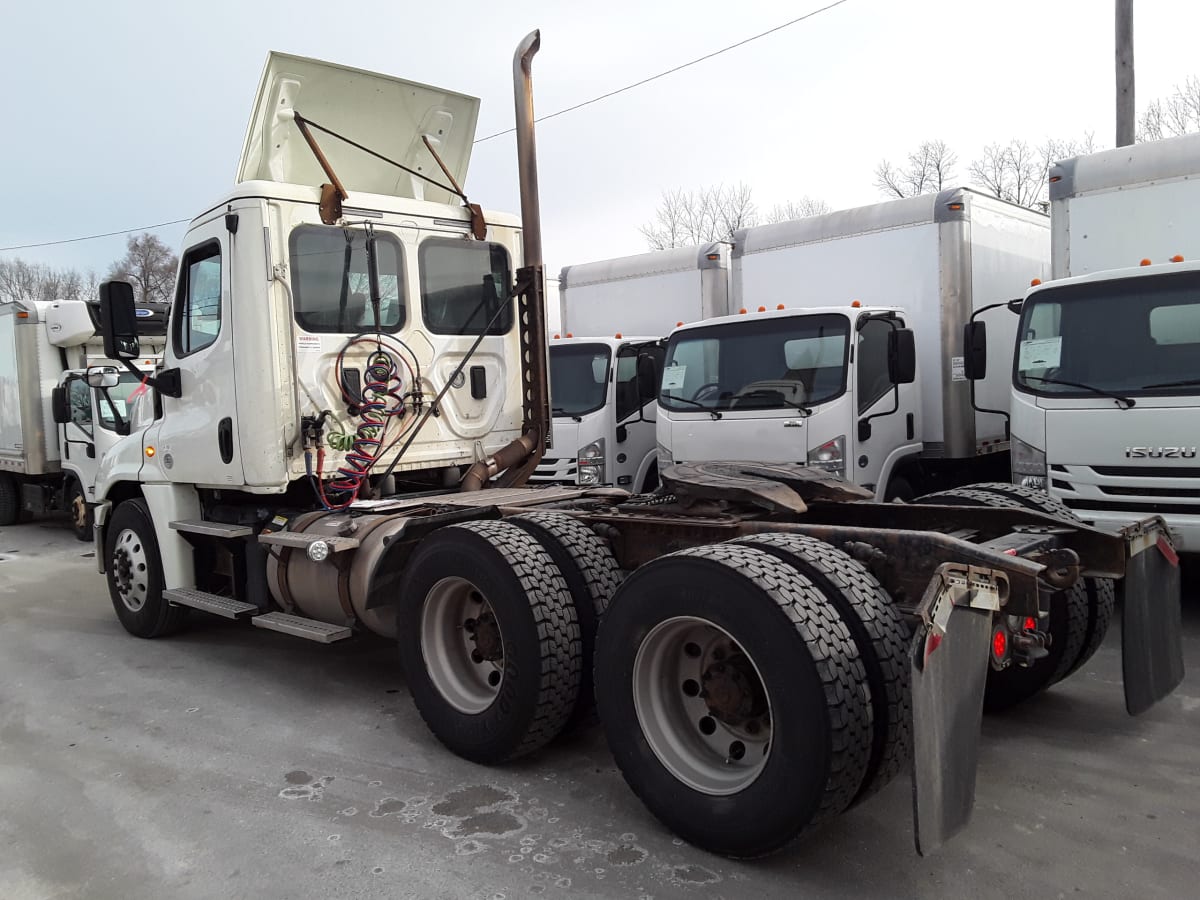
{"x": 1106, "y": 380}
{"x": 933, "y": 261}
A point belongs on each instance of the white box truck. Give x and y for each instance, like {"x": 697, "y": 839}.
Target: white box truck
{"x": 1106, "y": 383}
{"x": 54, "y": 427}
{"x": 604, "y": 430}
{"x": 800, "y": 371}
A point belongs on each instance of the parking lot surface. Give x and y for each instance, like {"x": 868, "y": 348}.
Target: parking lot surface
{"x": 232, "y": 762}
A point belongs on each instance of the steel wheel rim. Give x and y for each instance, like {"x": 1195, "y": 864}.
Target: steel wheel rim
{"x": 131, "y": 569}
{"x": 695, "y": 744}
{"x": 460, "y": 658}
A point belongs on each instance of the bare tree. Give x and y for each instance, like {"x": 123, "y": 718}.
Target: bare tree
{"x": 149, "y": 265}
{"x": 928, "y": 169}
{"x": 24, "y": 281}
{"x": 1171, "y": 116}
{"x": 797, "y": 209}
{"x": 1019, "y": 173}
{"x": 708, "y": 214}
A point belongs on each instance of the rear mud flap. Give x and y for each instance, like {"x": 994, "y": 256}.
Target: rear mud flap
{"x": 949, "y": 671}
{"x": 1151, "y": 626}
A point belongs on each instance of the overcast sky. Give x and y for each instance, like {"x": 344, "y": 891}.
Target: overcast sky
{"x": 126, "y": 113}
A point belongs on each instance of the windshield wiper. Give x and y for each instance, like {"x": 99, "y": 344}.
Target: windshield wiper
{"x": 708, "y": 409}
{"x": 764, "y": 392}
{"x": 1187, "y": 382}
{"x": 559, "y": 411}
{"x": 1128, "y": 401}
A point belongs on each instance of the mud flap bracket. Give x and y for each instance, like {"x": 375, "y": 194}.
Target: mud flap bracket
{"x": 949, "y": 659}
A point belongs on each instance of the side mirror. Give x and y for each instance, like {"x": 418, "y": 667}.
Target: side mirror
{"x": 647, "y": 378}
{"x": 902, "y": 356}
{"x": 103, "y": 377}
{"x": 118, "y": 320}
{"x": 975, "y": 350}
{"x": 58, "y": 405}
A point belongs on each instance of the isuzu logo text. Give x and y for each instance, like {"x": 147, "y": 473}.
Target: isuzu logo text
{"x": 1160, "y": 452}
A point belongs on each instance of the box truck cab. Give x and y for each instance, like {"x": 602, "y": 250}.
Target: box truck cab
{"x": 603, "y": 425}
{"x": 828, "y": 386}
{"x": 1106, "y": 379}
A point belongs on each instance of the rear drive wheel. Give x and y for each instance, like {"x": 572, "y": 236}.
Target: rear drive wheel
{"x": 880, "y": 634}
{"x": 489, "y": 640}
{"x": 592, "y": 575}
{"x": 1067, "y": 624}
{"x": 733, "y": 698}
{"x": 133, "y": 567}
{"x": 1101, "y": 593}
{"x": 10, "y": 500}
{"x": 81, "y": 514}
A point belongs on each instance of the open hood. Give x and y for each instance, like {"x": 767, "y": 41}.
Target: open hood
{"x": 387, "y": 114}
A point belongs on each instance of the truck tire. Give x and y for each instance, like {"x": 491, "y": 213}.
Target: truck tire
{"x": 1101, "y": 593}
{"x": 81, "y": 514}
{"x": 1067, "y": 624}
{"x": 733, "y": 698}
{"x": 10, "y": 500}
{"x": 592, "y": 575}
{"x": 133, "y": 567}
{"x": 489, "y": 640}
{"x": 880, "y": 633}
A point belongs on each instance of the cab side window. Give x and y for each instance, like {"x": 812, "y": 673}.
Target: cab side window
{"x": 873, "y": 381}
{"x": 198, "y": 299}
{"x": 79, "y": 399}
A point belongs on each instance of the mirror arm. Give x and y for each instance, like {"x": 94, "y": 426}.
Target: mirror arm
{"x": 166, "y": 382}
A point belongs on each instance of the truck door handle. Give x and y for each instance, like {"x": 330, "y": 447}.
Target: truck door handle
{"x": 225, "y": 439}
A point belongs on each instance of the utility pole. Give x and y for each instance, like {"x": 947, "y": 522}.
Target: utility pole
{"x": 1126, "y": 111}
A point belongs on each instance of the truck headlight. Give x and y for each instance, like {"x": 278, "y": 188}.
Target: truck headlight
{"x": 1028, "y": 465}
{"x": 830, "y": 456}
{"x": 590, "y": 460}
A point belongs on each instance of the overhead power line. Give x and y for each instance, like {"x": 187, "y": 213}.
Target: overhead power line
{"x": 561, "y": 112}
{"x": 671, "y": 71}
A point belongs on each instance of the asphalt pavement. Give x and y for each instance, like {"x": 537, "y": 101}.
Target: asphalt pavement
{"x": 233, "y": 762}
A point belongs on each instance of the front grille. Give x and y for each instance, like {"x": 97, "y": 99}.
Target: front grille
{"x": 556, "y": 470}
{"x": 1137, "y": 490}
{"x": 1142, "y": 508}
{"x": 1149, "y": 491}
{"x": 1145, "y": 471}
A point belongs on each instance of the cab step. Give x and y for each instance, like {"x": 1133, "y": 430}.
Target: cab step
{"x": 210, "y": 603}
{"x": 212, "y": 529}
{"x": 301, "y": 541}
{"x": 298, "y": 626}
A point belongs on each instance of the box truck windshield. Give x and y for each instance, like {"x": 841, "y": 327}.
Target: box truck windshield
{"x": 774, "y": 363}
{"x": 579, "y": 378}
{"x": 1128, "y": 337}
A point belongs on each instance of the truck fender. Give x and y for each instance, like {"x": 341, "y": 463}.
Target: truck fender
{"x": 894, "y": 459}
{"x": 643, "y": 469}
{"x": 172, "y": 503}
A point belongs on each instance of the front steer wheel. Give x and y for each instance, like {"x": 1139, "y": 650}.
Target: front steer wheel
{"x": 489, "y": 640}
{"x": 733, "y": 698}
{"x": 133, "y": 567}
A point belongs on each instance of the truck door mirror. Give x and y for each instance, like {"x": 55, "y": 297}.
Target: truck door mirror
{"x": 974, "y": 350}
{"x": 902, "y": 356}
{"x": 58, "y": 406}
{"x": 118, "y": 320}
{"x": 647, "y": 378}
{"x": 103, "y": 377}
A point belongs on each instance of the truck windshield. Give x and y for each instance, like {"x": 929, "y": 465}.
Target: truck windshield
{"x": 1135, "y": 336}
{"x": 751, "y": 364}
{"x": 578, "y": 378}
{"x": 120, "y": 398}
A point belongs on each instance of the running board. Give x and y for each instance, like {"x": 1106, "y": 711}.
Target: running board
{"x": 210, "y": 603}
{"x": 212, "y": 529}
{"x": 298, "y": 626}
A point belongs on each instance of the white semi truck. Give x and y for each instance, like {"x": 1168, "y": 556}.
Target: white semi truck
{"x": 1106, "y": 380}
{"x": 604, "y": 430}
{"x": 355, "y": 392}
{"x": 803, "y": 370}
{"x": 54, "y": 426}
